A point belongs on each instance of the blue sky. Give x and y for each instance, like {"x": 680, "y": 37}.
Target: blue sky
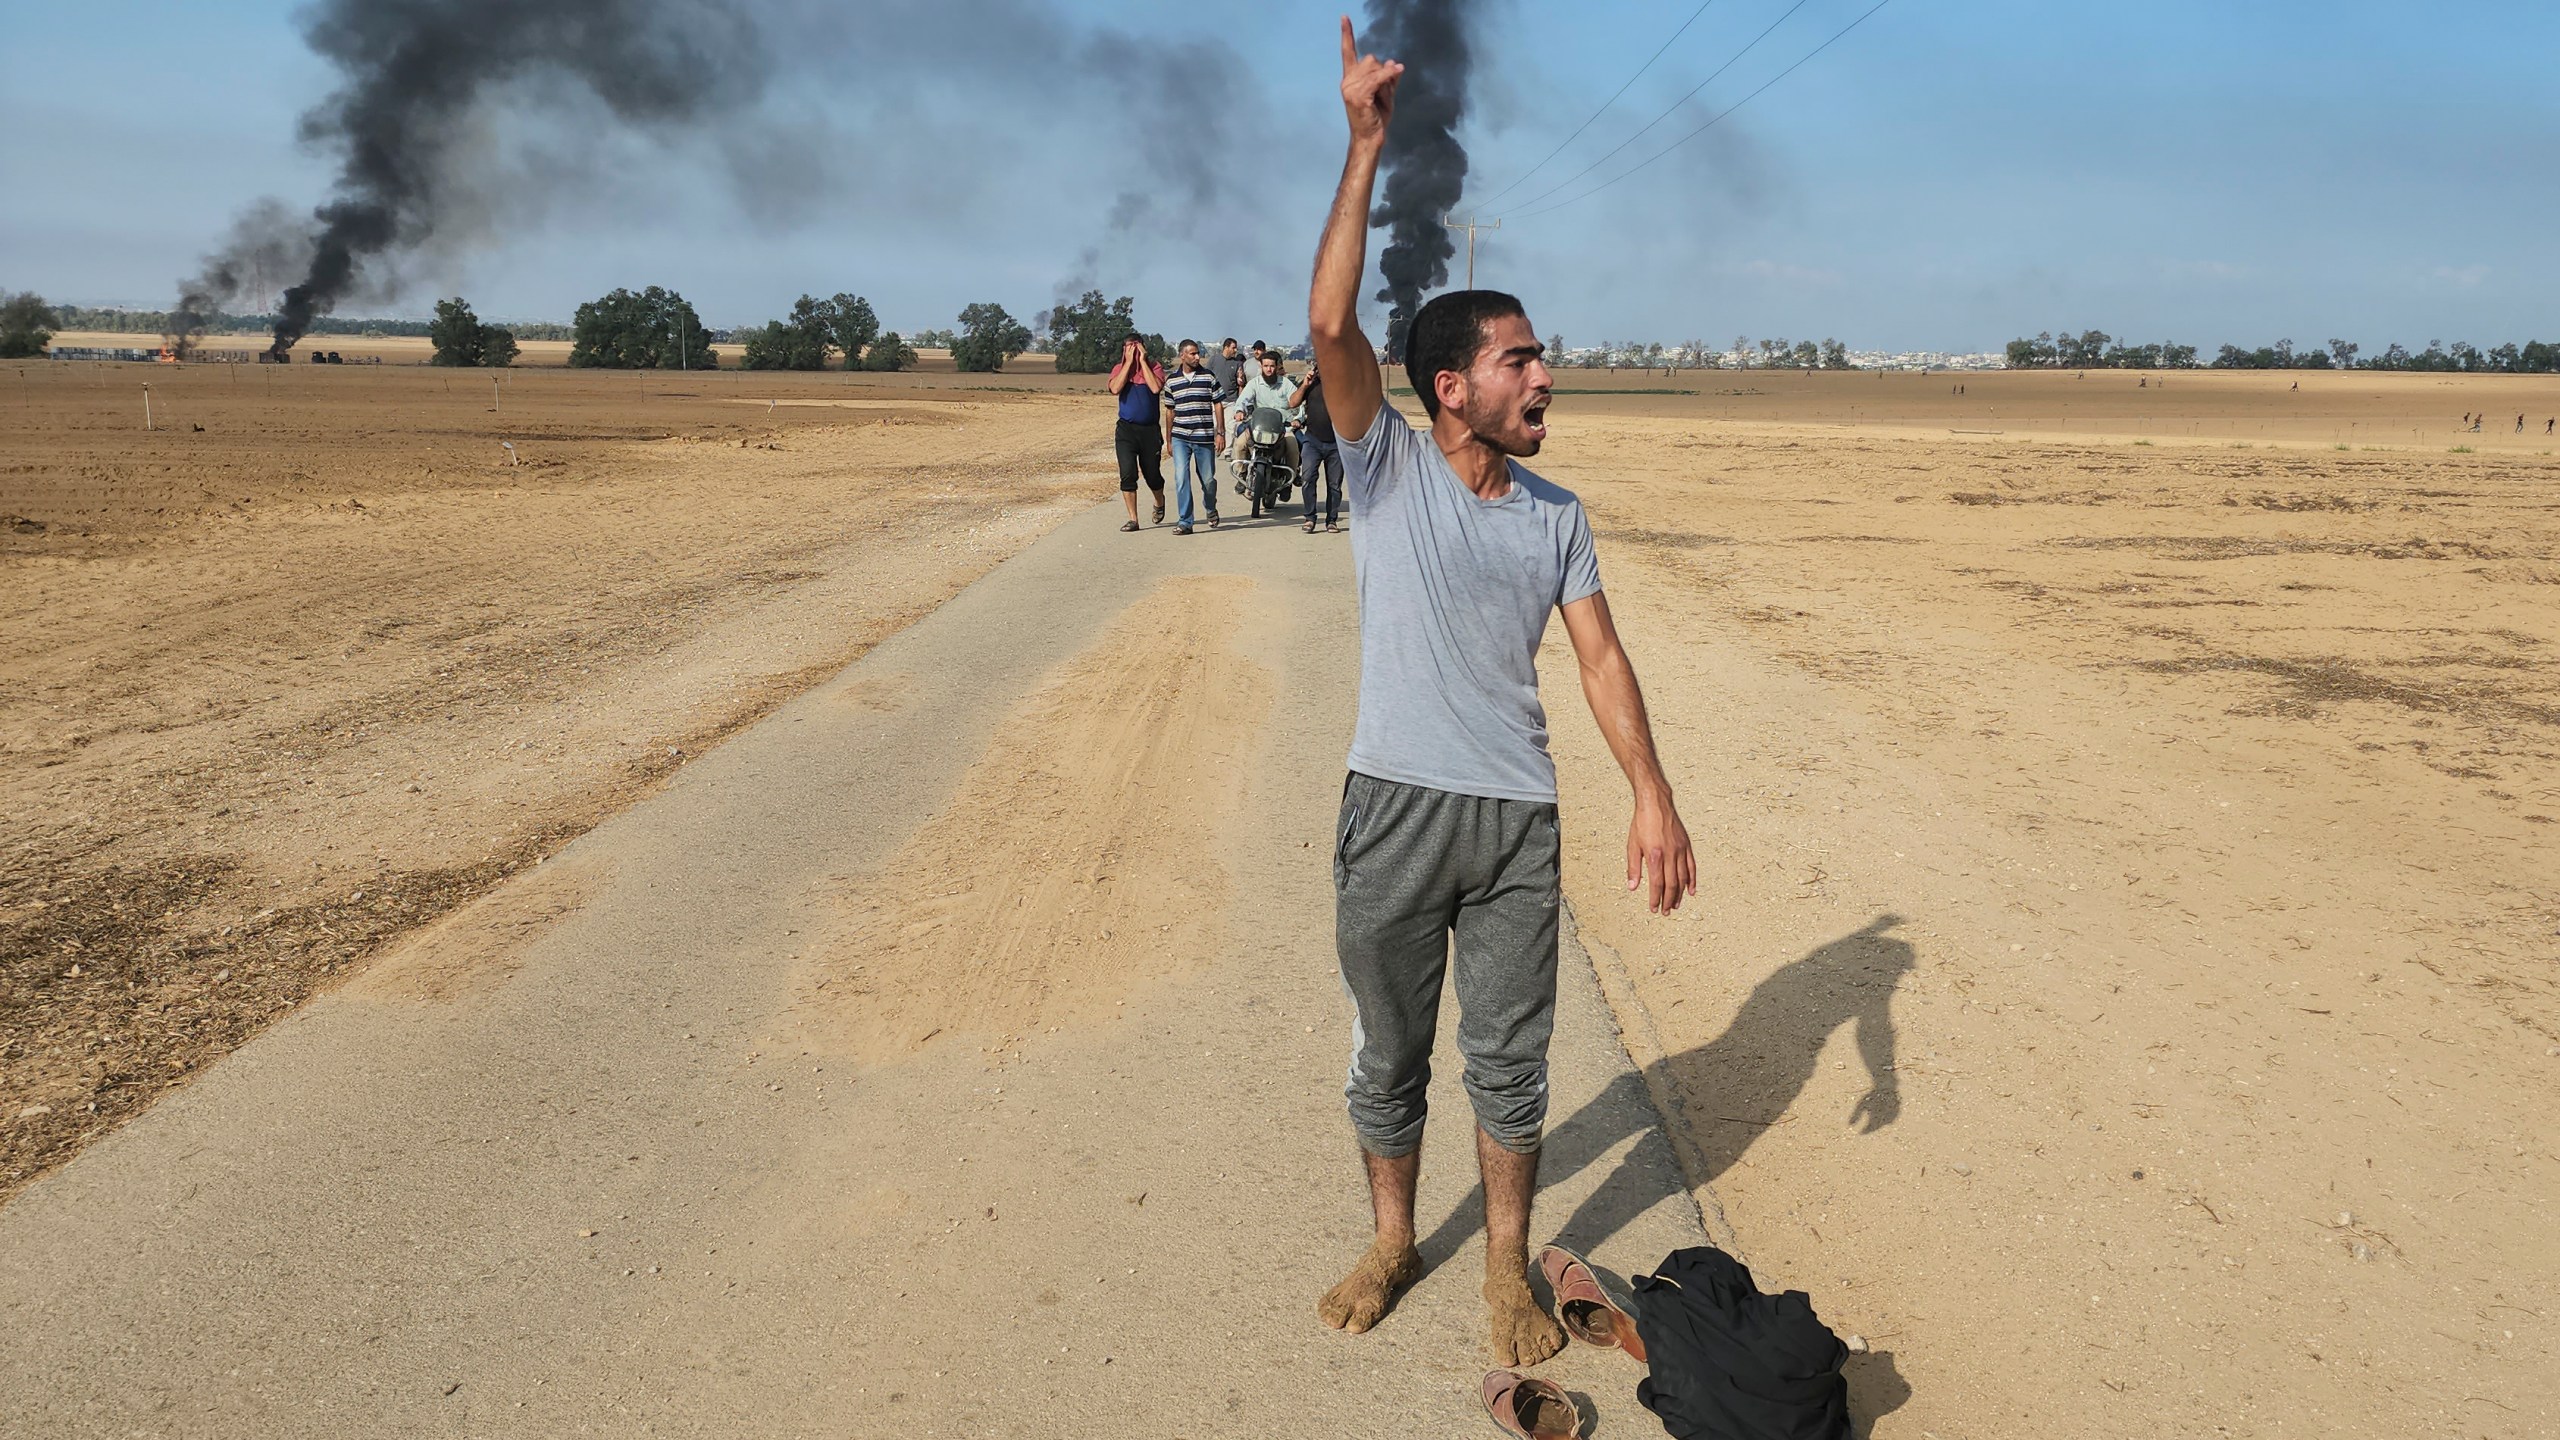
{"x": 1952, "y": 174}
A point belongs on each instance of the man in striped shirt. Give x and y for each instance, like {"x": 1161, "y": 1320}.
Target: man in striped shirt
{"x": 1199, "y": 418}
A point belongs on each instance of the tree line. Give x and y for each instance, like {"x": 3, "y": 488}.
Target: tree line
{"x": 157, "y": 322}
{"x": 2097, "y": 350}
{"x": 460, "y": 338}
{"x": 27, "y": 324}
{"x": 1082, "y": 337}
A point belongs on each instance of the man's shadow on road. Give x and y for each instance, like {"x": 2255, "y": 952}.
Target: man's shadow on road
{"x": 1726, "y": 1094}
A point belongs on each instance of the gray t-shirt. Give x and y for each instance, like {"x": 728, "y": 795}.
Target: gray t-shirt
{"x": 1455, "y": 592}
{"x": 1230, "y": 372}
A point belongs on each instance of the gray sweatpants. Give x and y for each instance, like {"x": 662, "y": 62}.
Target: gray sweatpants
{"x": 1412, "y": 868}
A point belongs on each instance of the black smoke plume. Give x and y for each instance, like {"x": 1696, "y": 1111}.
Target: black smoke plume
{"x": 414, "y": 74}
{"x": 1426, "y": 167}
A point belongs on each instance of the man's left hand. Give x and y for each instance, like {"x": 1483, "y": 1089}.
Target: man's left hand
{"x": 1658, "y": 857}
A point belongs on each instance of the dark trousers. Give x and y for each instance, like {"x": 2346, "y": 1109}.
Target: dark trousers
{"x": 1321, "y": 456}
{"x": 1141, "y": 447}
{"x": 1417, "y": 873}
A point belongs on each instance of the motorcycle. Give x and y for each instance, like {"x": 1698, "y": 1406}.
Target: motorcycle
{"x": 1267, "y": 476}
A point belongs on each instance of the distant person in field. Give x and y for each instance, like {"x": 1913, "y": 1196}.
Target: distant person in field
{"x": 1319, "y": 456}
{"x": 1447, "y": 840}
{"x": 1138, "y": 381}
{"x": 2519, "y": 424}
{"x": 1196, "y": 420}
{"x": 2547, "y": 424}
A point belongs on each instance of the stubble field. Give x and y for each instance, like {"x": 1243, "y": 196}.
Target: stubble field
{"x": 311, "y": 663}
{"x": 2123, "y": 980}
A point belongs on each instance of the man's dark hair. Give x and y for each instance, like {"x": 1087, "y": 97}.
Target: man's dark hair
{"x": 1186, "y": 345}
{"x": 1259, "y": 347}
{"x": 1448, "y": 335}
{"x": 1230, "y": 340}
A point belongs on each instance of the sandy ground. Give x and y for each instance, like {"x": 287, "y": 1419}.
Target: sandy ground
{"x": 585, "y": 1159}
{"x": 2122, "y": 982}
{"x": 277, "y": 689}
{"x": 1081, "y": 855}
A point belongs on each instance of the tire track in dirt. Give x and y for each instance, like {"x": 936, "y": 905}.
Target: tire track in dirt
{"x": 1079, "y": 855}
{"x": 244, "y": 749}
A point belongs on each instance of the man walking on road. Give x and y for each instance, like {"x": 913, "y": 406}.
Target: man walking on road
{"x": 1448, "y": 824}
{"x": 1198, "y": 415}
{"x": 1228, "y": 366}
{"x": 1137, "y": 381}
{"x": 1319, "y": 458}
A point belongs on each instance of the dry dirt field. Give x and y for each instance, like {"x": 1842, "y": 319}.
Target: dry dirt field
{"x": 2123, "y": 981}
{"x": 2123, "y": 978}
{"x": 396, "y": 349}
{"x": 309, "y": 664}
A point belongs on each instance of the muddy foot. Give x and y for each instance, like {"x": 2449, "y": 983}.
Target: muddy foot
{"x": 1365, "y": 1295}
{"x": 1522, "y": 1333}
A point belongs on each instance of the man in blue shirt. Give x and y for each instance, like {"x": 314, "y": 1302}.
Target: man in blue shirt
{"x": 1138, "y": 439}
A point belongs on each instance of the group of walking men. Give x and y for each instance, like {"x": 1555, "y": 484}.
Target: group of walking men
{"x": 1186, "y": 414}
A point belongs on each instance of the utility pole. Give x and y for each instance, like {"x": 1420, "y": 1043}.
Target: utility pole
{"x": 1471, "y": 227}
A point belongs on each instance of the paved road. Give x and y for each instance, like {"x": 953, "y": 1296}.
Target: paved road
{"x": 374, "y": 1219}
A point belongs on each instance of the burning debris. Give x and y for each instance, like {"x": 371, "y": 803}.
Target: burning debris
{"x": 414, "y": 72}
{"x": 1425, "y": 165}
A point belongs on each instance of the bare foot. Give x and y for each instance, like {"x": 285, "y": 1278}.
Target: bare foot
{"x": 1364, "y": 1296}
{"x": 1522, "y": 1333}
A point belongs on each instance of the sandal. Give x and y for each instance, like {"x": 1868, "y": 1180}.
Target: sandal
{"x": 1333, "y": 529}
{"x": 1585, "y": 1310}
{"x": 1309, "y": 527}
{"x": 1159, "y": 512}
{"x": 1132, "y": 525}
{"x": 1531, "y": 1408}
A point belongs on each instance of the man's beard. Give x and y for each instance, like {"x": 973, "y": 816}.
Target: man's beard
{"x": 1494, "y": 431}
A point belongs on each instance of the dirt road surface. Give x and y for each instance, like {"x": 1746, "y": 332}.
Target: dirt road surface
{"x": 276, "y": 691}
{"x": 955, "y": 1052}
{"x": 2122, "y": 984}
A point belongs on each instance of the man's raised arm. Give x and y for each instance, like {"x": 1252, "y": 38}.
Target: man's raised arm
{"x": 1355, "y": 390}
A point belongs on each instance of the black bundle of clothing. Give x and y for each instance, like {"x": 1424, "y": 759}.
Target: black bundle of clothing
{"x": 1730, "y": 1363}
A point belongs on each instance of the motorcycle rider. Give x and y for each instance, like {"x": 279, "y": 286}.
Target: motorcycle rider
{"x": 1268, "y": 390}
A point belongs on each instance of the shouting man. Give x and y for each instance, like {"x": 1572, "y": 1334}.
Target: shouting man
{"x": 1448, "y": 825}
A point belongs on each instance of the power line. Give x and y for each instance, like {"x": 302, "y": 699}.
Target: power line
{"x": 1603, "y": 110}
{"x": 1667, "y": 114}
{"x": 1701, "y": 130}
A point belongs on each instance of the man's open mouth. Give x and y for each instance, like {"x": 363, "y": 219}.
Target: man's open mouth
{"x": 1536, "y": 416}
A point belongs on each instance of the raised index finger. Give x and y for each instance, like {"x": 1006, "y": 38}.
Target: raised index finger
{"x": 1350, "y": 50}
